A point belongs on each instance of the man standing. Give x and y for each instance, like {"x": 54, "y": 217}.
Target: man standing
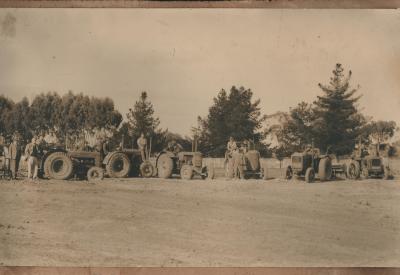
{"x": 142, "y": 145}
{"x": 15, "y": 156}
{"x": 102, "y": 146}
{"x": 238, "y": 164}
{"x": 231, "y": 146}
{"x": 32, "y": 152}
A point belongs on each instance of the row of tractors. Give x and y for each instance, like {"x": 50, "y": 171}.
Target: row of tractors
{"x": 61, "y": 164}
{"x": 311, "y": 164}
{"x": 58, "y": 163}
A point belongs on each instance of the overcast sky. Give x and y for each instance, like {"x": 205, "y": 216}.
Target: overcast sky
{"x": 182, "y": 57}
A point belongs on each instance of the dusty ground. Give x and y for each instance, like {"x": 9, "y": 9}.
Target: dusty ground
{"x": 141, "y": 222}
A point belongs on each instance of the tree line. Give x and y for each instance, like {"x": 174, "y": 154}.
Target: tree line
{"x": 67, "y": 114}
{"x": 332, "y": 122}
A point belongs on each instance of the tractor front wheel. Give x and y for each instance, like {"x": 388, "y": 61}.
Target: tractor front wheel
{"x": 95, "y": 173}
{"x": 187, "y": 172}
{"x": 147, "y": 169}
{"x": 310, "y": 175}
{"x": 353, "y": 170}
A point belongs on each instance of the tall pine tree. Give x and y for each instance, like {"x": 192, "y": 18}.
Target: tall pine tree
{"x": 141, "y": 118}
{"x": 337, "y": 121}
{"x": 233, "y": 114}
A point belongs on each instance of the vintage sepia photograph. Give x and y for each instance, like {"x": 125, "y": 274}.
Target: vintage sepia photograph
{"x": 199, "y": 137}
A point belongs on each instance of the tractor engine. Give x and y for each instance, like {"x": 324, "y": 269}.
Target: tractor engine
{"x": 300, "y": 161}
{"x": 297, "y": 162}
{"x": 194, "y": 159}
{"x": 252, "y": 160}
{"x": 197, "y": 160}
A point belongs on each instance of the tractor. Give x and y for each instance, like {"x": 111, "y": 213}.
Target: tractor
{"x": 367, "y": 164}
{"x": 251, "y": 162}
{"x": 173, "y": 161}
{"x": 308, "y": 164}
{"x": 59, "y": 163}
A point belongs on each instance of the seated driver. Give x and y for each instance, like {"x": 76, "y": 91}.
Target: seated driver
{"x": 174, "y": 147}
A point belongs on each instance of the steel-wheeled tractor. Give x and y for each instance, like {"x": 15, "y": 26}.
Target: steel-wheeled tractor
{"x": 368, "y": 167}
{"x": 309, "y": 164}
{"x": 251, "y": 164}
{"x": 366, "y": 163}
{"x": 185, "y": 164}
{"x": 252, "y": 167}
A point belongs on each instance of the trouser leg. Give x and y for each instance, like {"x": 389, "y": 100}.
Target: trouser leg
{"x": 13, "y": 168}
{"x": 30, "y": 166}
{"x": 143, "y": 155}
{"x": 241, "y": 171}
{"x": 235, "y": 169}
{"x": 17, "y": 166}
{"x": 231, "y": 168}
{"x": 35, "y": 168}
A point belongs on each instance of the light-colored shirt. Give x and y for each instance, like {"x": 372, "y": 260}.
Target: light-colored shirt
{"x": 231, "y": 146}
{"x": 142, "y": 142}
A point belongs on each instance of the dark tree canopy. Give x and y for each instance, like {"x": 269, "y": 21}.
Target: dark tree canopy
{"x": 141, "y": 118}
{"x": 68, "y": 114}
{"x": 6, "y": 105}
{"x": 232, "y": 114}
{"x": 44, "y": 112}
{"x": 19, "y": 119}
{"x": 297, "y": 130}
{"x": 332, "y": 122}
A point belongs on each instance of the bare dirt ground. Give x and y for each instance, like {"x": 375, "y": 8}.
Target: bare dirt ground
{"x": 142, "y": 222}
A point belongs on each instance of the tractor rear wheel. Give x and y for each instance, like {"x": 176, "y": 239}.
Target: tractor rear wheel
{"x": 118, "y": 166}
{"x": 187, "y": 172}
{"x": 165, "y": 166}
{"x": 147, "y": 169}
{"x": 95, "y": 173}
{"x": 310, "y": 175}
{"x": 58, "y": 166}
{"x": 325, "y": 169}
{"x": 353, "y": 170}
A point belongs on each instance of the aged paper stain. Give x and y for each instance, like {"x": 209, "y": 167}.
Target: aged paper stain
{"x": 8, "y": 25}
